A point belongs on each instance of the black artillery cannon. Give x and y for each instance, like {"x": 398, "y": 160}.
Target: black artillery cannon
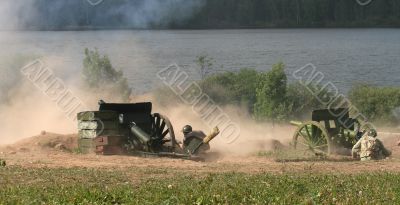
{"x": 133, "y": 130}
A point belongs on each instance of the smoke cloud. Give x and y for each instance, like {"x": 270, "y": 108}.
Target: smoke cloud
{"x": 150, "y": 13}
{"x": 83, "y": 14}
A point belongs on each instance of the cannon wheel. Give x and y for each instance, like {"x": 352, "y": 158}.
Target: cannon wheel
{"x": 317, "y": 143}
{"x": 162, "y": 129}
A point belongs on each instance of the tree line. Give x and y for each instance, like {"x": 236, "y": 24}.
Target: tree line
{"x": 208, "y": 14}
{"x": 296, "y": 13}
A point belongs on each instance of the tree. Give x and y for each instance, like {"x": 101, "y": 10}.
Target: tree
{"x": 99, "y": 74}
{"x": 205, "y": 64}
{"x": 271, "y": 93}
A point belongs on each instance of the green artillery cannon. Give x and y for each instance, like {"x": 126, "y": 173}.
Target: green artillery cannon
{"x": 133, "y": 130}
{"x": 330, "y": 132}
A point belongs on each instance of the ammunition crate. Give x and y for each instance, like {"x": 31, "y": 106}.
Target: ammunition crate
{"x": 97, "y": 125}
{"x": 109, "y": 140}
{"x": 97, "y": 115}
{"x": 91, "y": 134}
{"x": 109, "y": 150}
{"x": 86, "y": 146}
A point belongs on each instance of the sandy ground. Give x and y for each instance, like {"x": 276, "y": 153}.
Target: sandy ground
{"x": 40, "y": 151}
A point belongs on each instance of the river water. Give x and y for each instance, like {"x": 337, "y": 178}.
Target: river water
{"x": 344, "y": 56}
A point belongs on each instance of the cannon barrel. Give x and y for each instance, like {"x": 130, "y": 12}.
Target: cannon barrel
{"x": 296, "y": 123}
{"x": 140, "y": 134}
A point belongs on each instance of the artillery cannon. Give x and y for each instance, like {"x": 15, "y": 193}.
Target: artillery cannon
{"x": 133, "y": 130}
{"x": 329, "y": 132}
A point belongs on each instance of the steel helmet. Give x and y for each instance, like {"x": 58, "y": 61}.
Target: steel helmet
{"x": 186, "y": 129}
{"x": 372, "y": 133}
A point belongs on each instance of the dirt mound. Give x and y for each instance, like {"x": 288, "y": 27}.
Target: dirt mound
{"x": 44, "y": 141}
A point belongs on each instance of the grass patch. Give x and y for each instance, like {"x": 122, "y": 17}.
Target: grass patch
{"x": 292, "y": 155}
{"x": 99, "y": 186}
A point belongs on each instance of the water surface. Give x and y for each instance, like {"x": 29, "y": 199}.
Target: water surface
{"x": 345, "y": 56}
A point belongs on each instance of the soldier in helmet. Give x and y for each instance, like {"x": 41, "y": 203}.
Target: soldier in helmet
{"x": 370, "y": 148}
{"x": 189, "y": 135}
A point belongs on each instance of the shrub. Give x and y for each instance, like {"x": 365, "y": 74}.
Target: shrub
{"x": 303, "y": 99}
{"x": 99, "y": 74}
{"x": 232, "y": 88}
{"x": 271, "y": 94}
{"x": 376, "y": 103}
{"x": 268, "y": 96}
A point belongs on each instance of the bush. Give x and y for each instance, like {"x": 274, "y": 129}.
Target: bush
{"x": 303, "y": 99}
{"x": 268, "y": 96}
{"x": 232, "y": 88}
{"x": 271, "y": 94}
{"x": 376, "y": 103}
{"x": 100, "y": 75}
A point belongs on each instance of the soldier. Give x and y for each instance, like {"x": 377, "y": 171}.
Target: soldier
{"x": 189, "y": 135}
{"x": 370, "y": 148}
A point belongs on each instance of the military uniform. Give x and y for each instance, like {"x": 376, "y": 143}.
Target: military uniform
{"x": 188, "y": 137}
{"x": 370, "y": 148}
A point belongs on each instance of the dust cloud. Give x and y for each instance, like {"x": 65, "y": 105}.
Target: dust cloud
{"x": 25, "y": 109}
{"x": 42, "y": 99}
{"x": 29, "y": 111}
{"x": 253, "y": 136}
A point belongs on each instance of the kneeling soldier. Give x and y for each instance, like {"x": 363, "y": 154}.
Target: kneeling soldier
{"x": 370, "y": 148}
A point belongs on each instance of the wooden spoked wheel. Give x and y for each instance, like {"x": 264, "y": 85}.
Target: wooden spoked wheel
{"x": 162, "y": 131}
{"x": 312, "y": 138}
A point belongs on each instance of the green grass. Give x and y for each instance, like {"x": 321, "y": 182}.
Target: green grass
{"x": 292, "y": 155}
{"x": 100, "y": 186}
